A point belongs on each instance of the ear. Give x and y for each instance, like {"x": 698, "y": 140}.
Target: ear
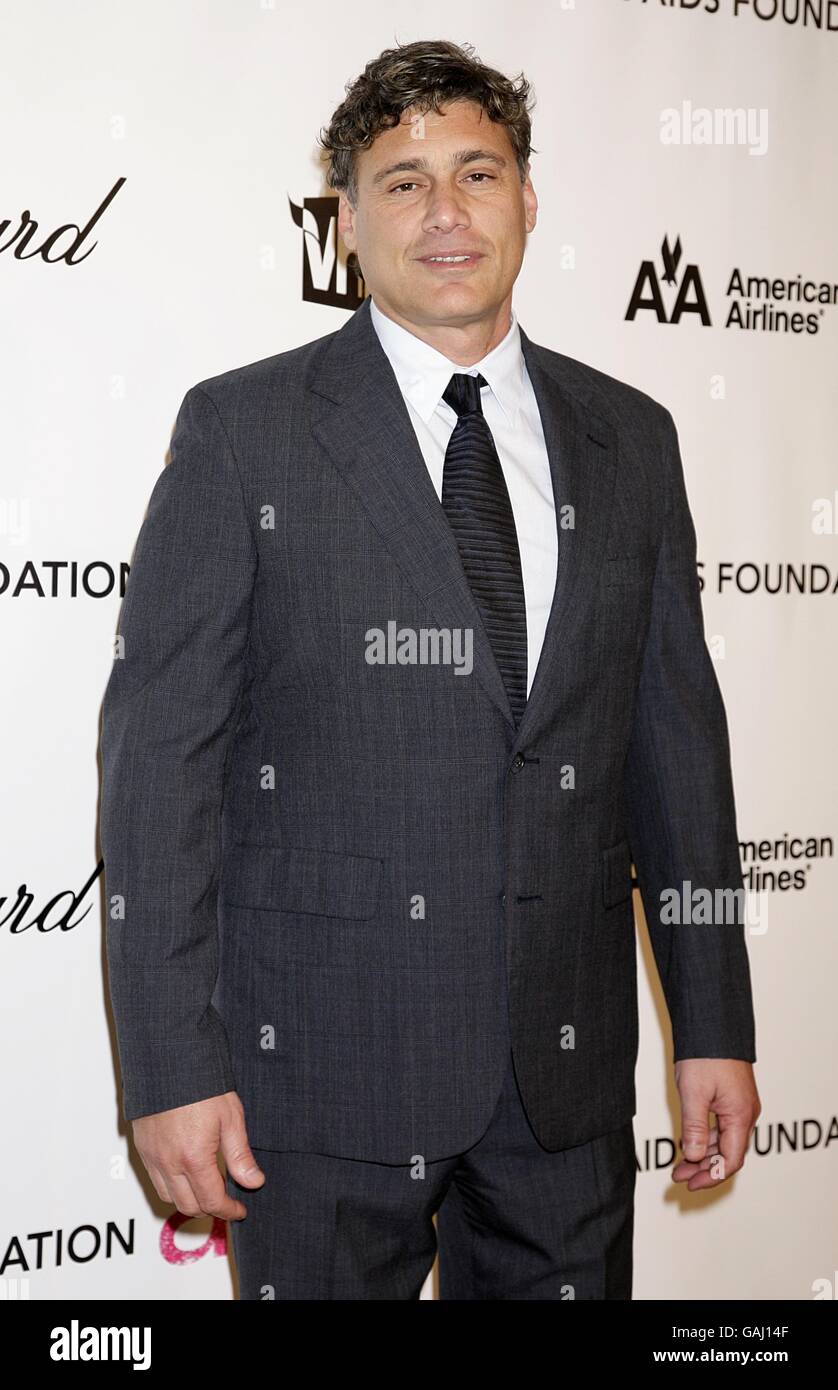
{"x": 346, "y": 222}
{"x": 530, "y": 202}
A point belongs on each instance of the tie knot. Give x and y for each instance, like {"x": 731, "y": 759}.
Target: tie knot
{"x": 463, "y": 393}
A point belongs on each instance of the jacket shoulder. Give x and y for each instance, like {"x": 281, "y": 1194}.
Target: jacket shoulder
{"x": 617, "y": 401}
{"x": 251, "y": 382}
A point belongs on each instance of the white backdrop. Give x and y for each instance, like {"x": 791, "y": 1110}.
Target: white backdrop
{"x": 200, "y": 117}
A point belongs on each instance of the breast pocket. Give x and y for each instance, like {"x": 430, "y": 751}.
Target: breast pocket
{"x": 621, "y": 570}
{"x": 299, "y": 879}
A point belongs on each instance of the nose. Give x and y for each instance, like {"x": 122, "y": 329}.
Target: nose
{"x": 445, "y": 210}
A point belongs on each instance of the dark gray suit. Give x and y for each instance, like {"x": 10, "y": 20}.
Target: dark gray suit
{"x": 348, "y": 887}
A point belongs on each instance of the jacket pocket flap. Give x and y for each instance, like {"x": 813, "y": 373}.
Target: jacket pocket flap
{"x": 292, "y": 879}
{"x": 616, "y": 873}
{"x": 624, "y": 569}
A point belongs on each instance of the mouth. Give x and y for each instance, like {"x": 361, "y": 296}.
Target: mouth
{"x": 450, "y": 261}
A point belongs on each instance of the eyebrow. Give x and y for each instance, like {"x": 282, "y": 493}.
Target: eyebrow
{"x": 421, "y": 165}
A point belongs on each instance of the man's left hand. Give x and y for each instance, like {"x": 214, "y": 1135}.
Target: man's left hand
{"x": 727, "y": 1087}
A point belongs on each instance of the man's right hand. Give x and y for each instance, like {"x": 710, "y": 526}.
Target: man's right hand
{"x": 179, "y": 1149}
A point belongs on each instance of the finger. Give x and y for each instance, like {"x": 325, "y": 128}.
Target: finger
{"x": 182, "y": 1194}
{"x": 710, "y": 1172}
{"x": 238, "y": 1155}
{"x": 712, "y": 1146}
{"x": 734, "y": 1141}
{"x": 695, "y": 1127}
{"x": 208, "y": 1185}
{"x": 702, "y": 1181}
{"x": 713, "y": 1176}
{"x": 684, "y": 1169}
{"x": 161, "y": 1187}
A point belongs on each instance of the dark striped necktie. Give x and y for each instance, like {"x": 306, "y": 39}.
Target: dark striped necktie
{"x": 476, "y": 501}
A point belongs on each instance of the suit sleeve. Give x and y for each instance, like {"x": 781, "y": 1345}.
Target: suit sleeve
{"x": 680, "y": 804}
{"x": 170, "y": 709}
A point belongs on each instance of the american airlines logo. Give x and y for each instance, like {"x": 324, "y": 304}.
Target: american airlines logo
{"x": 648, "y": 290}
{"x": 327, "y": 277}
{"x": 672, "y": 290}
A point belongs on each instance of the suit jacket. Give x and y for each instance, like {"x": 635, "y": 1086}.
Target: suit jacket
{"x": 343, "y": 889}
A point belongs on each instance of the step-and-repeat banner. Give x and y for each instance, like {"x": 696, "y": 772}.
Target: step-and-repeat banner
{"x": 163, "y": 218}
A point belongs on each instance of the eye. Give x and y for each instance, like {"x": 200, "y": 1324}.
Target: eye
{"x": 475, "y": 174}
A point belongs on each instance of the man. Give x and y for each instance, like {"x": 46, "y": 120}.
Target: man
{"x": 412, "y": 668}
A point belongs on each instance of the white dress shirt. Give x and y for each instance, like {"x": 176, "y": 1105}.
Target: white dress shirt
{"x": 512, "y": 414}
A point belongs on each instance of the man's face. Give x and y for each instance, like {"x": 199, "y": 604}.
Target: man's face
{"x": 440, "y": 185}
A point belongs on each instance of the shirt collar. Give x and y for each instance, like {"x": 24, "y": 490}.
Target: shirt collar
{"x": 423, "y": 373}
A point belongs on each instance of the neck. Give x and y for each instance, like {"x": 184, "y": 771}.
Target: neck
{"x": 463, "y": 343}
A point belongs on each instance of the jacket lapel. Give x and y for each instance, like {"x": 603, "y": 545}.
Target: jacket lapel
{"x": 359, "y": 417}
{"x": 582, "y": 448}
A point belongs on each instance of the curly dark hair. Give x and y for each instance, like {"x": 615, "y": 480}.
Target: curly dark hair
{"x": 421, "y": 76}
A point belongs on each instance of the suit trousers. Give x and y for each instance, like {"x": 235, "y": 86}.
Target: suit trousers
{"x": 513, "y": 1220}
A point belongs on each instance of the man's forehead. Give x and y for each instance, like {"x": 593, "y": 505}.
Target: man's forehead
{"x": 458, "y": 121}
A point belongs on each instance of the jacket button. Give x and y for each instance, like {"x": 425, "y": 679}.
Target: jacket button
{"x": 503, "y": 900}
{"x": 517, "y": 763}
